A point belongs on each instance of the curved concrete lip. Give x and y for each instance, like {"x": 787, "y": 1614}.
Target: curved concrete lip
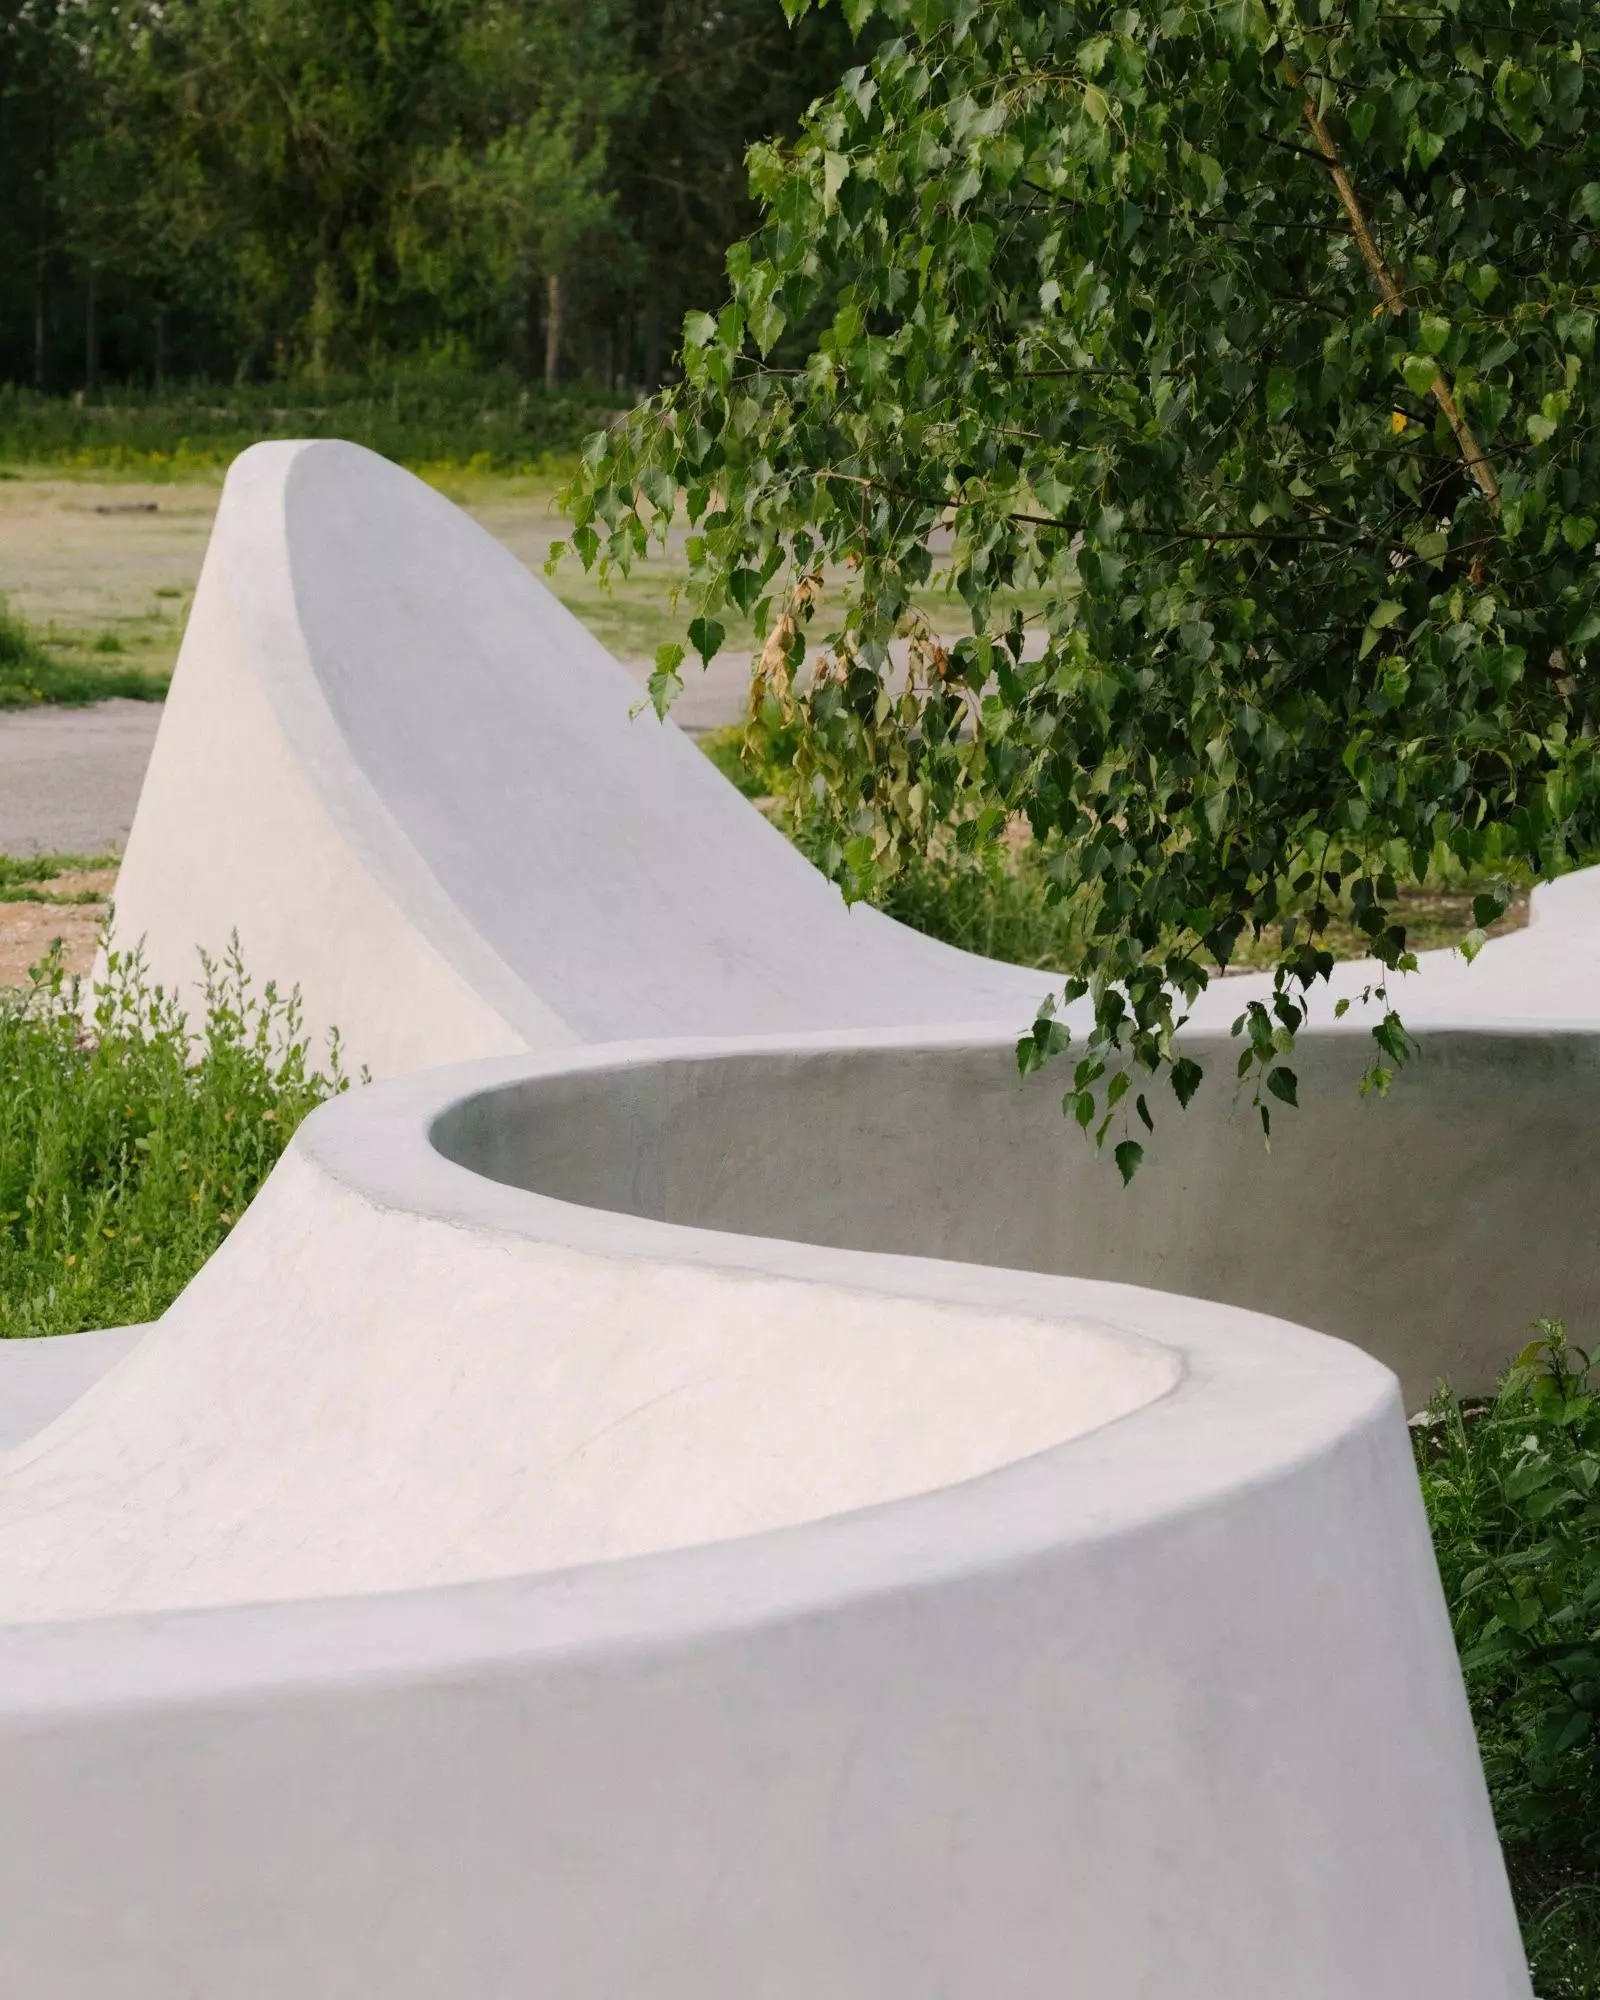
{"x": 894, "y": 1383}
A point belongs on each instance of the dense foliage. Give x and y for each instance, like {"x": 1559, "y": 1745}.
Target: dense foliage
{"x": 130, "y": 1143}
{"x": 1236, "y": 365}
{"x": 259, "y": 187}
{"x": 1512, "y": 1488}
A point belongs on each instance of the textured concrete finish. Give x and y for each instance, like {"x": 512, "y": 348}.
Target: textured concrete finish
{"x": 1167, "y": 1705}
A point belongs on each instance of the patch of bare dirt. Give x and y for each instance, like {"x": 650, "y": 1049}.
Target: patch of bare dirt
{"x": 28, "y": 929}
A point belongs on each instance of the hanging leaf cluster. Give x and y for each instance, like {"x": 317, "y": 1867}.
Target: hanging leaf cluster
{"x": 1235, "y": 366}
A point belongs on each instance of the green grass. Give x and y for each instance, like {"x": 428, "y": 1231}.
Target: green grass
{"x": 1512, "y": 1488}
{"x": 30, "y": 672}
{"x": 1562, "y": 1935}
{"x": 131, "y": 1140}
{"x": 421, "y": 418}
{"x": 24, "y": 878}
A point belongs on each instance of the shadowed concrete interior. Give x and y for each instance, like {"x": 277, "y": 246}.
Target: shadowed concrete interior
{"x": 1428, "y": 1228}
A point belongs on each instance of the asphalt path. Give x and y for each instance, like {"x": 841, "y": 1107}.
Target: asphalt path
{"x": 70, "y": 777}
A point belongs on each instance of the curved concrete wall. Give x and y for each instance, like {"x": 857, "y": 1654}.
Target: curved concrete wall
{"x": 1428, "y": 1229}
{"x": 1120, "y": 1667}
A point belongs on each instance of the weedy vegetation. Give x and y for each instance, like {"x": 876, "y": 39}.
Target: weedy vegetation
{"x": 1512, "y": 1488}
{"x": 29, "y": 673}
{"x": 132, "y": 1140}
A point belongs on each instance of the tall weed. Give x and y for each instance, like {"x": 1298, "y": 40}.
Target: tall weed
{"x": 1512, "y": 1487}
{"x": 131, "y": 1140}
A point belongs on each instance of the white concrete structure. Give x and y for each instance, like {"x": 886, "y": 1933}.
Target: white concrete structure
{"x": 407, "y": 776}
{"x": 695, "y": 1519}
{"x": 471, "y": 1588}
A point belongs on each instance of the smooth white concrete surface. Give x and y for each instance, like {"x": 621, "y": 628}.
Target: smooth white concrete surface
{"x": 1545, "y": 976}
{"x": 358, "y": 1397}
{"x": 830, "y": 1668}
{"x": 41, "y": 1378}
{"x": 416, "y": 785}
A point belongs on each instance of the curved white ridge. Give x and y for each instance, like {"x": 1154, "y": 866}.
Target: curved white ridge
{"x": 1544, "y": 976}
{"x": 417, "y": 786}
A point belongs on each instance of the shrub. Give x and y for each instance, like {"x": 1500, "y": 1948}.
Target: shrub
{"x": 1512, "y": 1487}
{"x": 131, "y": 1142}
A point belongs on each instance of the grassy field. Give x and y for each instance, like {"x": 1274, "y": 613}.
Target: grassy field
{"x": 102, "y": 567}
{"x": 72, "y": 668}
{"x": 102, "y": 571}
{"x": 421, "y": 418}
{"x": 105, "y": 507}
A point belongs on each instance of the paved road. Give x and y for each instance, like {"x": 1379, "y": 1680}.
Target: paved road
{"x": 70, "y": 777}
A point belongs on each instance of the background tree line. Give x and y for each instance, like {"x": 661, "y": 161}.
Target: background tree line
{"x": 247, "y": 189}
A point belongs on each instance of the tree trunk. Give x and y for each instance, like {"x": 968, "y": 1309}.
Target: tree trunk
{"x": 91, "y": 334}
{"x": 552, "y": 330}
{"x": 39, "y": 313}
{"x": 161, "y": 350}
{"x": 652, "y": 345}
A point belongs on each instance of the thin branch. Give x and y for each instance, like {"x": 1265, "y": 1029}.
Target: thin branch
{"x": 1480, "y": 468}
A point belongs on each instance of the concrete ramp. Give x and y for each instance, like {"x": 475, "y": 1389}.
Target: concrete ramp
{"x": 418, "y": 787}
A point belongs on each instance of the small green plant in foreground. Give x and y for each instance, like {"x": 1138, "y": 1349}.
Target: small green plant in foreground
{"x": 132, "y": 1141}
{"x": 30, "y": 674}
{"x": 1512, "y": 1487}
